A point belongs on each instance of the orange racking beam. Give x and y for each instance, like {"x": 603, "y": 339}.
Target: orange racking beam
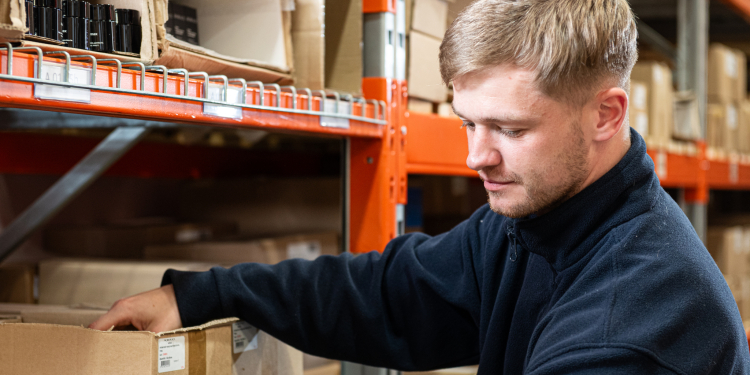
{"x": 437, "y": 145}
{"x": 373, "y": 176}
{"x": 20, "y": 94}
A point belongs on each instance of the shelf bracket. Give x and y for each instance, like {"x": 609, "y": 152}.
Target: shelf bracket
{"x": 69, "y": 186}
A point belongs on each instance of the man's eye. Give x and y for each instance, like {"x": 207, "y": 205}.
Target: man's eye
{"x": 510, "y": 133}
{"x": 467, "y": 124}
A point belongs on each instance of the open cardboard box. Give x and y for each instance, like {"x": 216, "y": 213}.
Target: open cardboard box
{"x": 58, "y": 344}
{"x": 156, "y": 49}
{"x": 13, "y": 21}
{"x": 240, "y": 39}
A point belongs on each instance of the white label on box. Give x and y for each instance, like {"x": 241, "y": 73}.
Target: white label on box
{"x": 641, "y": 123}
{"x": 304, "y": 250}
{"x": 171, "y": 354}
{"x": 54, "y": 72}
{"x": 734, "y": 172}
{"x": 732, "y": 117}
{"x": 245, "y": 337}
{"x": 730, "y": 64}
{"x": 661, "y": 164}
{"x": 639, "y": 97}
{"x": 335, "y": 122}
{"x": 658, "y": 75}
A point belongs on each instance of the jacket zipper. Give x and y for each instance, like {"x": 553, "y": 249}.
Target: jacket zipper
{"x": 514, "y": 243}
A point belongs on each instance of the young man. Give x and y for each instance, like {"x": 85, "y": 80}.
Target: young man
{"x": 579, "y": 264}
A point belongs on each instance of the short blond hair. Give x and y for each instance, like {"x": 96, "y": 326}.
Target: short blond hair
{"x": 574, "y": 46}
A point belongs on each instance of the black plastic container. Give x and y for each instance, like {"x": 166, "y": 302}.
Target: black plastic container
{"x": 128, "y": 30}
{"x": 76, "y": 23}
{"x": 103, "y": 37}
{"x": 30, "y": 17}
{"x": 48, "y": 19}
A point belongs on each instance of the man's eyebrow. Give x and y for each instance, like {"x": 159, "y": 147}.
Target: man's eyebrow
{"x": 498, "y": 119}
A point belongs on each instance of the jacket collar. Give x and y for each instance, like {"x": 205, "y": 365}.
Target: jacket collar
{"x": 567, "y": 233}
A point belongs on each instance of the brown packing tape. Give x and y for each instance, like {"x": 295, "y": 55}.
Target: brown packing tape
{"x": 197, "y": 355}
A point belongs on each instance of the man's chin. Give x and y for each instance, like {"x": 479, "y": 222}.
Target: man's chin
{"x": 513, "y": 210}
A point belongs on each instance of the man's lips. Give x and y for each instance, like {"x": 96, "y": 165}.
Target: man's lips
{"x": 495, "y": 184}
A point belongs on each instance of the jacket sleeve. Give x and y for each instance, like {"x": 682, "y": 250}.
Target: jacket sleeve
{"x": 413, "y": 307}
{"x": 597, "y": 359}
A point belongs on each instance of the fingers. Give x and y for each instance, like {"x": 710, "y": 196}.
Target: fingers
{"x": 155, "y": 311}
{"x": 118, "y": 316}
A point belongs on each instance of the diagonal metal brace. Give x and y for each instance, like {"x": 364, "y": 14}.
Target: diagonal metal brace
{"x": 69, "y": 186}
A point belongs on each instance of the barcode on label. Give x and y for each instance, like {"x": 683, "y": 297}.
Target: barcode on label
{"x": 164, "y": 363}
{"x": 239, "y": 344}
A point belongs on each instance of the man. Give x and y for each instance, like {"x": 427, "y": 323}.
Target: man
{"x": 581, "y": 263}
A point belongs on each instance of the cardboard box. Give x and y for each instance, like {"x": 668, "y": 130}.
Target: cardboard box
{"x": 331, "y": 369}
{"x": 267, "y": 207}
{"x": 10, "y": 319}
{"x": 686, "y": 117}
{"x": 17, "y": 283}
{"x": 128, "y": 241}
{"x": 34, "y": 348}
{"x": 741, "y": 83}
{"x": 730, "y": 248}
{"x": 744, "y": 131}
{"x": 638, "y": 112}
{"x": 269, "y": 251}
{"x": 53, "y": 314}
{"x": 13, "y": 21}
{"x": 420, "y": 106}
{"x": 69, "y": 281}
{"x": 253, "y": 48}
{"x": 725, "y": 70}
{"x": 424, "y": 68}
{"x": 446, "y": 110}
{"x": 715, "y": 124}
{"x": 657, "y": 77}
{"x": 732, "y": 126}
{"x": 327, "y": 38}
{"x": 429, "y": 17}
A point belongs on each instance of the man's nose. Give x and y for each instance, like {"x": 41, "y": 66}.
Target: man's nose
{"x": 483, "y": 151}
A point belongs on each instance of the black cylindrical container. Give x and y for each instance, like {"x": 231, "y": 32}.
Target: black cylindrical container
{"x": 128, "y": 30}
{"x": 103, "y": 28}
{"x": 48, "y": 19}
{"x": 30, "y": 17}
{"x": 77, "y": 23}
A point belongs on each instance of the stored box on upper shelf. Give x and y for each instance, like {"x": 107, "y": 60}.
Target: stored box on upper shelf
{"x": 13, "y": 29}
{"x": 249, "y": 40}
{"x": 327, "y": 38}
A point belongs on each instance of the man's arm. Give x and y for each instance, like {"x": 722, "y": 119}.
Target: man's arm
{"x": 413, "y": 307}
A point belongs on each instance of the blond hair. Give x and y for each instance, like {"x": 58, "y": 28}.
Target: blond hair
{"x": 574, "y": 46}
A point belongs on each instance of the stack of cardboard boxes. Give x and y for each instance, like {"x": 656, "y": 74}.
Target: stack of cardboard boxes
{"x": 426, "y": 25}
{"x": 728, "y": 130}
{"x": 730, "y": 248}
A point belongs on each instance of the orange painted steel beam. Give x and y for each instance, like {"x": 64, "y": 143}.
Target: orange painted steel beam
{"x": 675, "y": 171}
{"x": 378, "y": 6}
{"x": 373, "y": 176}
{"x": 437, "y": 145}
{"x": 19, "y": 94}
{"x": 401, "y": 144}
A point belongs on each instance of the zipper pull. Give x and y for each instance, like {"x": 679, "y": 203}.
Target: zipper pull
{"x": 514, "y": 254}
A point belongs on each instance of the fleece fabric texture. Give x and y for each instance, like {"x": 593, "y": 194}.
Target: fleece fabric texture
{"x": 613, "y": 281}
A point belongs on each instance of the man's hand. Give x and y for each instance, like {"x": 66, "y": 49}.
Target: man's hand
{"x": 154, "y": 311}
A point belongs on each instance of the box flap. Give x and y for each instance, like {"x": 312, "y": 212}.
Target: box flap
{"x": 211, "y": 324}
{"x": 175, "y": 57}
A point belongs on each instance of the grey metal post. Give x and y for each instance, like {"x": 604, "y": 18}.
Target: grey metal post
{"x": 69, "y": 186}
{"x": 692, "y": 72}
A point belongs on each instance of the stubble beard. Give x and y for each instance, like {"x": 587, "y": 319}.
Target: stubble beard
{"x": 542, "y": 197}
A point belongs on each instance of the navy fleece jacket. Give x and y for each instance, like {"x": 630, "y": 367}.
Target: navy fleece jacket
{"x": 613, "y": 281}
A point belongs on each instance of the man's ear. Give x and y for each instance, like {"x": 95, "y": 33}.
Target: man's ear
{"x": 612, "y": 109}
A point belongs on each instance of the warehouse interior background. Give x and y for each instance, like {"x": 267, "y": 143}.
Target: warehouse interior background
{"x": 192, "y": 133}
